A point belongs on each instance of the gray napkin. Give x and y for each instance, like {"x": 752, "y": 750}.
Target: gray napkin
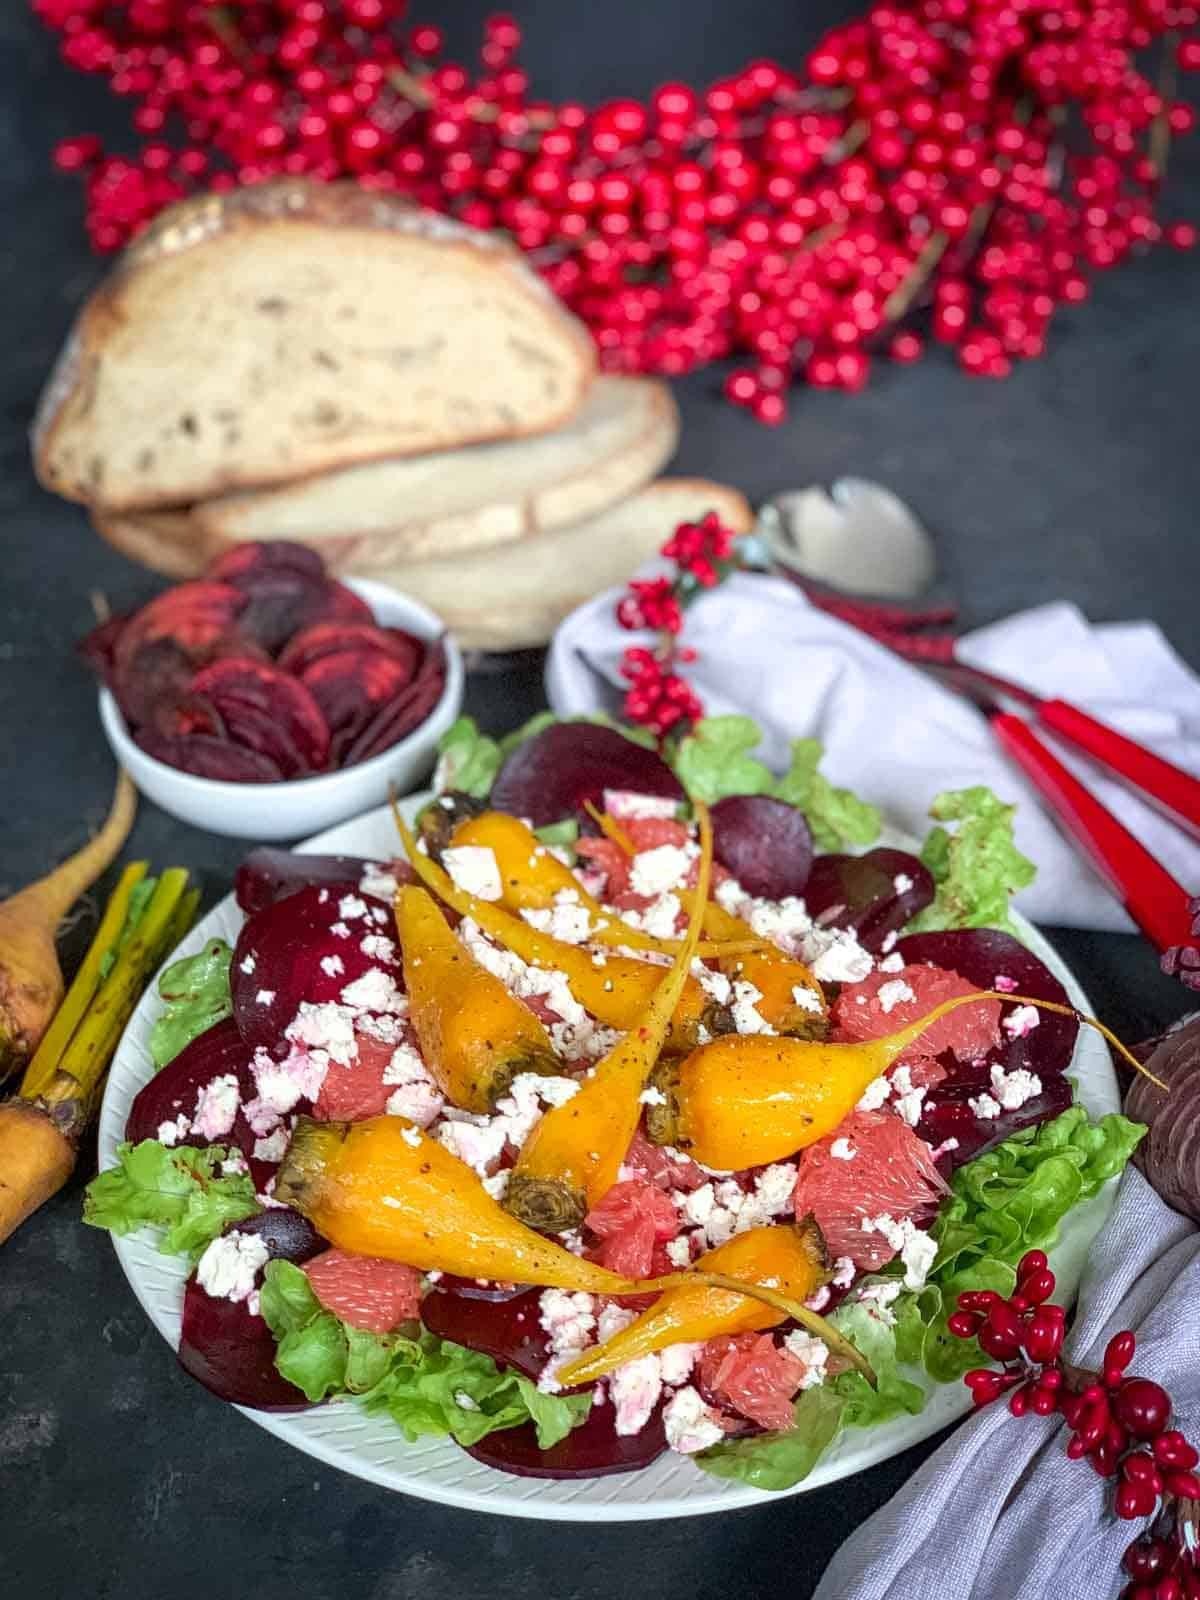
{"x": 999, "y": 1512}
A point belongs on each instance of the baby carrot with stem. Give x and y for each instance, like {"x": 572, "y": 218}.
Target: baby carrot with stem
{"x": 745, "y": 1100}
{"x": 574, "y": 1153}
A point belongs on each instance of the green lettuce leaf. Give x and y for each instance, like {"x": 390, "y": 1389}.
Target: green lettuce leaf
{"x": 195, "y": 994}
{"x": 468, "y": 760}
{"x": 874, "y": 1337}
{"x": 779, "y": 1460}
{"x": 714, "y": 760}
{"x": 837, "y": 817}
{"x": 562, "y": 835}
{"x": 1002, "y": 1204}
{"x": 140, "y": 897}
{"x": 179, "y": 1190}
{"x": 977, "y": 867}
{"x": 425, "y": 1384}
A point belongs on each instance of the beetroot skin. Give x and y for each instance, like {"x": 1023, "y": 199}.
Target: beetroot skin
{"x": 550, "y": 776}
{"x": 766, "y": 844}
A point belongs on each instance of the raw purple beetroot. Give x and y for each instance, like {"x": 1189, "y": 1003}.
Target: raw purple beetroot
{"x": 1170, "y": 1153}
{"x": 227, "y": 1347}
{"x": 861, "y": 893}
{"x": 213, "y": 1053}
{"x": 593, "y": 1450}
{"x": 766, "y": 844}
{"x": 550, "y": 776}
{"x": 307, "y": 947}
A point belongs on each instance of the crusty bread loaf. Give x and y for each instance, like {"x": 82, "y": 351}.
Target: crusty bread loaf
{"x": 516, "y": 595}
{"x": 370, "y": 516}
{"x": 285, "y": 329}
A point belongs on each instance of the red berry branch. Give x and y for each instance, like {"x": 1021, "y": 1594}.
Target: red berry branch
{"x": 1118, "y": 1422}
{"x": 966, "y": 163}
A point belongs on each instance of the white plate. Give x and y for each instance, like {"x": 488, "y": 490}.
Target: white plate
{"x": 374, "y": 1448}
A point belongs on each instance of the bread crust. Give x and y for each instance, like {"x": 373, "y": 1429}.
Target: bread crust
{"x": 204, "y": 219}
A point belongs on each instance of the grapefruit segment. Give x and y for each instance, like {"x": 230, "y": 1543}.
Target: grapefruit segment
{"x": 748, "y": 1373}
{"x": 365, "y": 1291}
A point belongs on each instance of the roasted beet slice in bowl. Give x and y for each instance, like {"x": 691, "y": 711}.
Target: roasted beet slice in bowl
{"x": 550, "y": 776}
{"x": 229, "y": 1348}
{"x": 766, "y": 844}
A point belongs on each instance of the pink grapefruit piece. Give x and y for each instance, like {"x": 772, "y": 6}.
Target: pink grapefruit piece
{"x": 750, "y": 1374}
{"x": 365, "y": 1291}
{"x": 880, "y": 1005}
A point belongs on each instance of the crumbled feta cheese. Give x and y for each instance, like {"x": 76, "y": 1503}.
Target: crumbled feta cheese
{"x": 665, "y": 867}
{"x": 690, "y": 1423}
{"x": 634, "y": 1389}
{"x": 698, "y": 1205}
{"x": 230, "y": 1265}
{"x": 568, "y": 1319}
{"x": 652, "y": 1097}
{"x": 807, "y": 999}
{"x": 746, "y": 1019}
{"x": 170, "y": 1133}
{"x": 273, "y": 1147}
{"x": 812, "y": 1353}
{"x": 902, "y": 883}
{"x": 625, "y": 804}
{"x": 875, "y": 1094}
{"x": 464, "y": 1401}
{"x": 675, "y": 1363}
{"x": 679, "y": 1251}
{"x": 351, "y": 908}
{"x": 1012, "y": 1089}
{"x": 775, "y": 1186}
{"x": 327, "y": 1027}
{"x": 842, "y": 1150}
{"x": 497, "y": 1184}
{"x": 264, "y": 997}
{"x": 908, "y": 1099}
{"x": 612, "y": 1320}
{"x": 878, "y": 1298}
{"x": 944, "y": 1149}
{"x": 984, "y": 1107}
{"x": 843, "y": 1272}
{"x": 892, "y": 963}
{"x": 378, "y": 947}
{"x": 890, "y": 941}
{"x": 914, "y": 1247}
{"x": 1004, "y": 983}
{"x": 480, "y": 1144}
{"x": 892, "y": 994}
{"x": 234, "y": 1165}
{"x": 412, "y": 1136}
{"x": 660, "y": 919}
{"x": 836, "y": 956}
{"x": 248, "y": 963}
{"x": 332, "y": 966}
{"x": 263, "y": 1118}
{"x": 416, "y": 1095}
{"x": 339, "y": 930}
{"x": 567, "y": 919}
{"x": 1021, "y": 1021}
{"x": 378, "y": 882}
{"x": 475, "y": 870}
{"x": 577, "y": 1036}
{"x": 375, "y": 991}
{"x": 715, "y": 984}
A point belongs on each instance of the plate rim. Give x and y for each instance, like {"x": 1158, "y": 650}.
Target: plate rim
{"x": 548, "y": 1499}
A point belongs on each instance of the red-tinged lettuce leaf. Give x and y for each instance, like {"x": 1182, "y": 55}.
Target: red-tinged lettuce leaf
{"x": 765, "y": 843}
{"x": 593, "y": 1450}
{"x": 874, "y": 895}
{"x": 551, "y": 775}
{"x": 229, "y": 1348}
{"x": 1170, "y": 1154}
{"x": 277, "y": 963}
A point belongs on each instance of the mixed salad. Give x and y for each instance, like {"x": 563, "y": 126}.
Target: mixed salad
{"x": 643, "y": 1102}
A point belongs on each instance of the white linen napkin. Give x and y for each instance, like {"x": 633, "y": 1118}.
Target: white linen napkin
{"x": 999, "y": 1511}
{"x": 896, "y": 737}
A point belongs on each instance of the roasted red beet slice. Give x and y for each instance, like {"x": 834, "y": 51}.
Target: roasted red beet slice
{"x": 594, "y": 1450}
{"x": 269, "y": 735}
{"x": 507, "y": 1330}
{"x": 246, "y": 563}
{"x": 307, "y": 947}
{"x": 213, "y": 1053}
{"x": 351, "y": 685}
{"x": 869, "y": 893}
{"x": 326, "y": 638}
{"x": 159, "y": 647}
{"x": 766, "y": 844}
{"x": 981, "y": 955}
{"x": 239, "y": 680}
{"x": 406, "y": 711}
{"x": 947, "y": 1115}
{"x": 206, "y": 756}
{"x": 99, "y": 649}
{"x": 227, "y": 1348}
{"x": 550, "y": 776}
{"x": 268, "y": 875}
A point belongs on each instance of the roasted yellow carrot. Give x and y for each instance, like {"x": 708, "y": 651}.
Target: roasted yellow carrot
{"x": 574, "y": 1153}
{"x": 615, "y": 989}
{"x": 475, "y": 1037}
{"x": 790, "y": 1257}
{"x": 745, "y": 1100}
{"x": 384, "y": 1188}
{"x": 791, "y": 999}
{"x": 532, "y": 879}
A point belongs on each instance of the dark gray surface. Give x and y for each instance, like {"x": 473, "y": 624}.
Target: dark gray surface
{"x": 1076, "y": 479}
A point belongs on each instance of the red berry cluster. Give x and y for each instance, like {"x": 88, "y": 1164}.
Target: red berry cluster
{"x": 1119, "y": 1423}
{"x": 986, "y": 156}
{"x": 658, "y": 698}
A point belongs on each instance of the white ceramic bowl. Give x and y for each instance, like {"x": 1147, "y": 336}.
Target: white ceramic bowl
{"x": 292, "y": 809}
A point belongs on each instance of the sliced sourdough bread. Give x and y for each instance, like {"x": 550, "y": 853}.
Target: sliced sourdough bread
{"x": 515, "y": 595}
{"x": 368, "y": 517}
{"x": 282, "y": 330}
